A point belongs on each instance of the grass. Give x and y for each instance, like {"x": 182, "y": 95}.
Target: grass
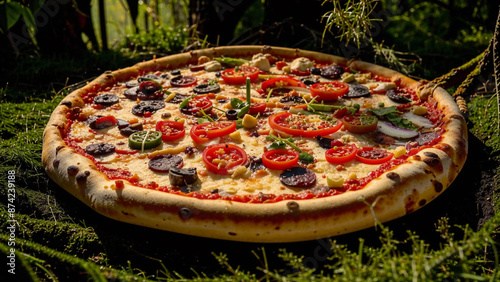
{"x": 59, "y": 238}
{"x": 97, "y": 248}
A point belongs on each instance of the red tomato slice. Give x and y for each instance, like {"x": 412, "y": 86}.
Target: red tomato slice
{"x": 281, "y": 64}
{"x": 342, "y": 154}
{"x": 301, "y": 73}
{"x": 239, "y": 76}
{"x": 360, "y": 124}
{"x": 325, "y": 91}
{"x": 104, "y": 122}
{"x": 296, "y": 125}
{"x": 171, "y": 130}
{"x": 197, "y": 103}
{"x": 256, "y": 108}
{"x": 198, "y": 136}
{"x": 282, "y": 82}
{"x": 280, "y": 159}
{"x": 220, "y": 158}
{"x": 202, "y": 133}
{"x": 370, "y": 155}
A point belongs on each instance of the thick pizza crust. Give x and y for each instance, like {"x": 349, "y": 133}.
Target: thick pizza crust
{"x": 396, "y": 193}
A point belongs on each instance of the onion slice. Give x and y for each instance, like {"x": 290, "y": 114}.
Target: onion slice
{"x": 394, "y": 131}
{"x": 417, "y": 120}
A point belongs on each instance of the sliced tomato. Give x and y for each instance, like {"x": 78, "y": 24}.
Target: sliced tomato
{"x": 329, "y": 91}
{"x": 171, "y": 130}
{"x": 280, "y": 159}
{"x": 239, "y": 75}
{"x": 202, "y": 133}
{"x": 104, "y": 122}
{"x": 282, "y": 82}
{"x": 341, "y": 154}
{"x": 256, "y": 108}
{"x": 196, "y": 104}
{"x": 298, "y": 125}
{"x": 340, "y": 113}
{"x": 360, "y": 123}
{"x": 281, "y": 64}
{"x": 220, "y": 158}
{"x": 370, "y": 155}
{"x": 301, "y": 73}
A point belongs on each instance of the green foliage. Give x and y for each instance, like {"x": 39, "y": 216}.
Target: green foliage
{"x": 437, "y": 32}
{"x": 159, "y": 40}
{"x": 483, "y": 116}
{"x": 350, "y": 20}
{"x": 12, "y": 12}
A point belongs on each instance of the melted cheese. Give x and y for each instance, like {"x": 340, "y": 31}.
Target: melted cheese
{"x": 240, "y": 180}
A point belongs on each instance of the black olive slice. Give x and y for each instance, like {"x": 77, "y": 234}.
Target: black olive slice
{"x": 132, "y": 83}
{"x": 332, "y": 72}
{"x": 176, "y": 72}
{"x": 206, "y": 88}
{"x": 397, "y": 97}
{"x": 148, "y": 77}
{"x": 182, "y": 176}
{"x": 147, "y": 106}
{"x": 232, "y": 114}
{"x": 106, "y": 99}
{"x": 149, "y": 87}
{"x": 256, "y": 164}
{"x": 426, "y": 138}
{"x": 122, "y": 123}
{"x": 356, "y": 91}
{"x": 129, "y": 129}
{"x": 178, "y": 98}
{"x": 90, "y": 122}
{"x": 298, "y": 177}
{"x": 316, "y": 71}
{"x": 131, "y": 93}
{"x": 163, "y": 163}
{"x": 99, "y": 149}
{"x": 292, "y": 100}
{"x": 309, "y": 80}
{"x": 324, "y": 142}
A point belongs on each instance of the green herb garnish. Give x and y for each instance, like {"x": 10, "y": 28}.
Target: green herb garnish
{"x": 303, "y": 156}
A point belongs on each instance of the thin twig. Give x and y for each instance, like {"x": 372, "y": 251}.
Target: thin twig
{"x": 496, "y": 65}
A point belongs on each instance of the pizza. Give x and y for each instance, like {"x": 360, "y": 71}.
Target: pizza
{"x": 255, "y": 144}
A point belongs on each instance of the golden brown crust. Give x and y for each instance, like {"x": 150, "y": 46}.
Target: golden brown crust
{"x": 395, "y": 193}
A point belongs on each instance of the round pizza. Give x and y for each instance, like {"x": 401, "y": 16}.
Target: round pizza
{"x": 255, "y": 144}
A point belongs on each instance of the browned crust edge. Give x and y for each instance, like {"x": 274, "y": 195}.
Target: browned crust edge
{"x": 400, "y": 191}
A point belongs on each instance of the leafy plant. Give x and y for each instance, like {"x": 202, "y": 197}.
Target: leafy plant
{"x": 350, "y": 20}
{"x": 12, "y": 12}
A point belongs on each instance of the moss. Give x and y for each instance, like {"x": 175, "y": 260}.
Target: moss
{"x": 66, "y": 237}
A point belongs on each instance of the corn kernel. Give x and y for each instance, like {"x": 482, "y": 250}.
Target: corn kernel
{"x": 249, "y": 121}
{"x": 348, "y": 77}
{"x": 419, "y": 110}
{"x": 334, "y": 181}
{"x": 241, "y": 172}
{"x": 170, "y": 97}
{"x": 235, "y": 135}
{"x": 352, "y": 176}
{"x": 399, "y": 151}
